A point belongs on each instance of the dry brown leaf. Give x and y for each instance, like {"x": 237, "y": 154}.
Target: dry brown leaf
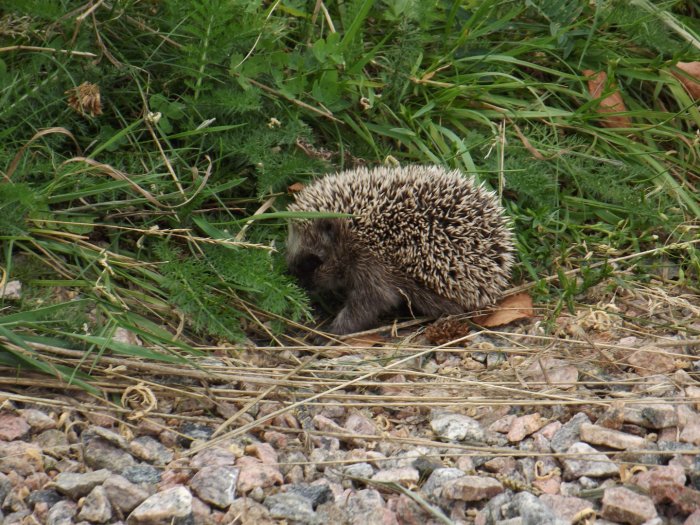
{"x": 691, "y": 85}
{"x": 613, "y": 103}
{"x": 512, "y": 308}
{"x": 295, "y": 188}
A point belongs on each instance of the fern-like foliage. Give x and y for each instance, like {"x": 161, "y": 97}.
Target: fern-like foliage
{"x": 17, "y": 202}
{"x": 190, "y": 284}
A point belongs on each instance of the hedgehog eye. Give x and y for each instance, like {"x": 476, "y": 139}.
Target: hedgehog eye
{"x": 309, "y": 264}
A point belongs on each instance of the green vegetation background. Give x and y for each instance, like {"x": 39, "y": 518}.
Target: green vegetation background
{"x": 130, "y": 212}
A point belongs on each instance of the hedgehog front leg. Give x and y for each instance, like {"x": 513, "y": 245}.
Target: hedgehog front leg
{"x": 362, "y": 310}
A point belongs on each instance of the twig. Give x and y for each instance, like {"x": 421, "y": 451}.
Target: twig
{"x": 84, "y": 54}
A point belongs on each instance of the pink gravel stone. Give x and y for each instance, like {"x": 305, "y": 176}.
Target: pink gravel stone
{"x": 12, "y": 427}
{"x": 623, "y": 505}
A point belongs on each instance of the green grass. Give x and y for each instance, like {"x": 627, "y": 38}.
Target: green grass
{"x": 136, "y": 217}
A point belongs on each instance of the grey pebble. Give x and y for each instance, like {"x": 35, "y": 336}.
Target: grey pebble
{"x": 99, "y": 453}
{"x": 124, "y": 495}
{"x": 77, "y": 485}
{"x": 216, "y": 485}
{"x": 48, "y": 496}
{"x": 317, "y": 494}
{"x": 96, "y": 507}
{"x": 143, "y": 473}
{"x": 569, "y": 433}
{"x": 593, "y": 464}
{"x": 433, "y": 486}
{"x": 170, "y": 507}
{"x": 151, "y": 450}
{"x": 291, "y": 507}
{"x": 62, "y": 513}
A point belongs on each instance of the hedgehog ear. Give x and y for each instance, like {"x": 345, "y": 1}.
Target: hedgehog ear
{"x": 328, "y": 229}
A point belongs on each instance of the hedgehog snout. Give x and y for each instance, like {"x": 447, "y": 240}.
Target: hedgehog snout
{"x": 303, "y": 267}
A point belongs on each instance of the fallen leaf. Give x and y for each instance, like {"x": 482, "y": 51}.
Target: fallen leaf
{"x": 692, "y": 84}
{"x": 613, "y": 103}
{"x": 512, "y": 308}
{"x": 295, "y": 188}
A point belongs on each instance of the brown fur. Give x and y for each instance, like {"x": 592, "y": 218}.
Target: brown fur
{"x": 419, "y": 236}
{"x": 371, "y": 288}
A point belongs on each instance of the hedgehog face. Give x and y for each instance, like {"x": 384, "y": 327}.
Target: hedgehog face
{"x": 313, "y": 255}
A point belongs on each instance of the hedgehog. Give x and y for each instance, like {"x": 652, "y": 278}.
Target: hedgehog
{"x": 420, "y": 236}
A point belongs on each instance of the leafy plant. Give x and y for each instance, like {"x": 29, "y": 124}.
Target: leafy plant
{"x": 139, "y": 138}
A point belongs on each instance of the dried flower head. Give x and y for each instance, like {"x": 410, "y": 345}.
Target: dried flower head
{"x": 85, "y": 99}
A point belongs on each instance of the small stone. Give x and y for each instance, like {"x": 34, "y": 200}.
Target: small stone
{"x": 532, "y": 511}
{"x": 110, "y": 436}
{"x": 331, "y": 512}
{"x": 278, "y": 440}
{"x": 325, "y": 424}
{"x": 201, "y": 512}
{"x": 613, "y": 417}
{"x": 693, "y": 392}
{"x": 549, "y": 430}
{"x": 5, "y": 487}
{"x": 264, "y": 452}
{"x": 359, "y": 470}
{"x": 317, "y": 494}
{"x": 122, "y": 494}
{"x": 62, "y": 513}
{"x": 551, "y": 371}
{"x": 691, "y": 433}
{"x": 593, "y": 464}
{"x": 366, "y": 507}
{"x": 597, "y": 435}
{"x": 48, "y": 496}
{"x": 21, "y": 458}
{"x": 96, "y": 507}
{"x": 170, "y": 507}
{"x": 359, "y": 424}
{"x": 190, "y": 431}
{"x": 503, "y": 424}
{"x": 400, "y": 475}
{"x": 457, "y": 427}
{"x": 216, "y": 485}
{"x": 660, "y": 416}
{"x": 99, "y": 453}
{"x": 213, "y": 457}
{"x": 291, "y": 507}
{"x": 501, "y": 464}
{"x": 566, "y": 507}
{"x": 151, "y": 450}
{"x": 142, "y": 474}
{"x": 623, "y": 505}
{"x": 524, "y": 426}
{"x": 657, "y": 476}
{"x": 52, "y": 440}
{"x": 471, "y": 488}
{"x": 569, "y": 433}
{"x": 38, "y": 420}
{"x": 433, "y": 486}
{"x": 255, "y": 474}
{"x": 685, "y": 499}
{"x": 78, "y": 485}
{"x": 11, "y": 290}
{"x": 248, "y": 512}
{"x": 649, "y": 361}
